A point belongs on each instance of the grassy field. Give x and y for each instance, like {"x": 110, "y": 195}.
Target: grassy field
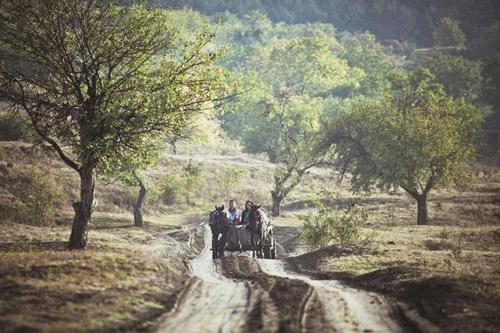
{"x": 125, "y": 278}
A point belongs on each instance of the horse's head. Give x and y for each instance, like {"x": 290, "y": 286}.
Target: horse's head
{"x": 258, "y": 215}
{"x": 217, "y": 216}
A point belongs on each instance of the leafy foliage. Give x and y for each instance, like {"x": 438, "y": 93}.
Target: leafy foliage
{"x": 378, "y": 63}
{"x": 192, "y": 180}
{"x": 416, "y": 137}
{"x": 178, "y": 183}
{"x": 40, "y": 198}
{"x": 107, "y": 82}
{"x": 290, "y": 84}
{"x": 402, "y": 20}
{"x": 328, "y": 227}
{"x": 460, "y": 77}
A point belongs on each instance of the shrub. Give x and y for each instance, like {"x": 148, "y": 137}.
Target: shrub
{"x": 180, "y": 183}
{"x": 169, "y": 189}
{"x": 329, "y": 227}
{"x": 40, "y": 197}
{"x": 192, "y": 180}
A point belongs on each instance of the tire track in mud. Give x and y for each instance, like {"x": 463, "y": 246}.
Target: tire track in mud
{"x": 210, "y": 301}
{"x": 242, "y": 294}
{"x": 346, "y": 309}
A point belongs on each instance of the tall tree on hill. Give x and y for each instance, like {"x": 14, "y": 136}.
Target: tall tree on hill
{"x": 104, "y": 83}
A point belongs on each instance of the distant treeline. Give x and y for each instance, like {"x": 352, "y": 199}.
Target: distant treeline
{"x": 404, "y": 20}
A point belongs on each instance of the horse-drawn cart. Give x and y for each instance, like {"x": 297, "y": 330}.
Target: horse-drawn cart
{"x": 257, "y": 236}
{"x": 239, "y": 238}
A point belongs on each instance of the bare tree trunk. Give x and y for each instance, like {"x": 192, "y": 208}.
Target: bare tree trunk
{"x": 422, "y": 212}
{"x": 276, "y": 203}
{"x": 138, "y": 222}
{"x": 83, "y": 209}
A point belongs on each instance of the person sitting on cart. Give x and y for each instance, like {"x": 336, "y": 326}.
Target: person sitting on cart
{"x": 244, "y": 214}
{"x": 233, "y": 213}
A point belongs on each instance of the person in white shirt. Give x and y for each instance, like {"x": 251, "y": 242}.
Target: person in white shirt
{"x": 233, "y": 213}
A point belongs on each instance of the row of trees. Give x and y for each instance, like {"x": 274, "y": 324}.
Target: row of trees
{"x": 314, "y": 99}
{"x": 105, "y": 86}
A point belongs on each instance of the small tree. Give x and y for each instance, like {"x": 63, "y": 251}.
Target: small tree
{"x": 103, "y": 82}
{"x": 293, "y": 81}
{"x": 415, "y": 137}
{"x": 448, "y": 33}
{"x": 192, "y": 179}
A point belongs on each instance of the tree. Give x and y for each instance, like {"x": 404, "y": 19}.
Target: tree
{"x": 363, "y": 51}
{"x": 415, "y": 137}
{"x": 105, "y": 82}
{"x": 289, "y": 82}
{"x": 448, "y": 33}
{"x": 461, "y": 78}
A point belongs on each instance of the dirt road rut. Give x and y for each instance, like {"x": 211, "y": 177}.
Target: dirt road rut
{"x": 242, "y": 294}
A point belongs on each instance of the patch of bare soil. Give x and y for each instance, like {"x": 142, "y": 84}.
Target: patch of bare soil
{"x": 454, "y": 302}
{"x": 283, "y": 305}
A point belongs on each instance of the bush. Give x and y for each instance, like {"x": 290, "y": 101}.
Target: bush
{"x": 329, "y": 227}
{"x": 41, "y": 198}
{"x": 180, "y": 183}
{"x": 192, "y": 180}
{"x": 169, "y": 190}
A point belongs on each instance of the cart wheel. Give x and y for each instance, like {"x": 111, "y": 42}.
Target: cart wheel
{"x": 267, "y": 252}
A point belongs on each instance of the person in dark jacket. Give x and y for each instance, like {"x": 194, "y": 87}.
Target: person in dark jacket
{"x": 244, "y": 214}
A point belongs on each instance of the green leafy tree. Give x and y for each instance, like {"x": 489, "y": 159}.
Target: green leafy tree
{"x": 417, "y": 138}
{"x": 461, "y": 78}
{"x": 363, "y": 51}
{"x": 105, "y": 83}
{"x": 290, "y": 82}
{"x": 448, "y": 33}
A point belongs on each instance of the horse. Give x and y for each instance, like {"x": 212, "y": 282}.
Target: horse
{"x": 258, "y": 222}
{"x": 218, "y": 224}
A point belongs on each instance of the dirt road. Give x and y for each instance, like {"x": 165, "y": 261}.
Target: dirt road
{"x": 242, "y": 294}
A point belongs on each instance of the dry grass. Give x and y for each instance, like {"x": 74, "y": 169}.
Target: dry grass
{"x": 126, "y": 277}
